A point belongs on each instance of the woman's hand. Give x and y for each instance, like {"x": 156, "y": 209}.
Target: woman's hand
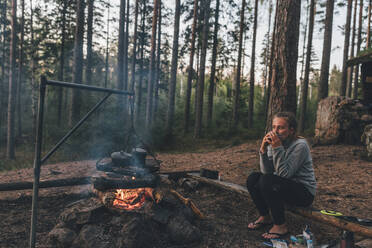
{"x": 270, "y": 139}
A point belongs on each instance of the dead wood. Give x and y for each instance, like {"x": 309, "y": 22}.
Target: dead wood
{"x": 103, "y": 183}
{"x": 45, "y": 184}
{"x": 188, "y": 202}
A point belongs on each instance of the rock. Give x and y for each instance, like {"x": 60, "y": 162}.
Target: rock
{"x": 90, "y": 210}
{"x": 182, "y": 231}
{"x": 138, "y": 233}
{"x": 364, "y": 243}
{"x": 93, "y": 236}
{"x": 61, "y": 237}
{"x": 340, "y": 120}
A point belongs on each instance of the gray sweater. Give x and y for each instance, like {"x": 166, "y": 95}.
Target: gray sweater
{"x": 291, "y": 161}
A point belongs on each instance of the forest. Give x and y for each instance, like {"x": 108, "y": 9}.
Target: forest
{"x": 194, "y": 67}
{"x": 193, "y": 85}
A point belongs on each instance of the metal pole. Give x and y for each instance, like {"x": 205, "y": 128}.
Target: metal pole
{"x": 88, "y": 87}
{"x": 39, "y": 135}
{"x": 74, "y": 129}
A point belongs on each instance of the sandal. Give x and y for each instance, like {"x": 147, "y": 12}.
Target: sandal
{"x": 258, "y": 225}
{"x": 275, "y": 235}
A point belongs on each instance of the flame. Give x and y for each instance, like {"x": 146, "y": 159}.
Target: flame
{"x": 130, "y": 199}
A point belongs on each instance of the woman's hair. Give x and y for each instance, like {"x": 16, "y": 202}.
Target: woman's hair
{"x": 290, "y": 118}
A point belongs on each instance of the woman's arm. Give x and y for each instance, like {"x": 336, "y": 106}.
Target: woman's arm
{"x": 266, "y": 162}
{"x": 287, "y": 163}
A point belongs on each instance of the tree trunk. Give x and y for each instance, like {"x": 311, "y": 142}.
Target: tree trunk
{"x": 126, "y": 64}
{"x": 267, "y": 47}
{"x": 203, "y": 55}
{"x": 61, "y": 63}
{"x": 78, "y": 63}
{"x": 120, "y": 66}
{"x": 141, "y": 70}
{"x": 173, "y": 79}
{"x": 190, "y": 73}
{"x": 326, "y": 56}
{"x": 213, "y": 68}
{"x": 236, "y": 102}
{"x": 268, "y": 94}
{"x": 2, "y": 86}
{"x": 157, "y": 69}
{"x": 10, "y": 153}
{"x": 134, "y": 57}
{"x": 20, "y": 72}
{"x": 150, "y": 84}
{"x": 368, "y": 41}
{"x": 349, "y": 85}
{"x": 304, "y": 90}
{"x": 251, "y": 88}
{"x": 346, "y": 48}
{"x": 107, "y": 46}
{"x": 356, "y": 78}
{"x": 303, "y": 52}
{"x": 88, "y": 69}
{"x": 283, "y": 90}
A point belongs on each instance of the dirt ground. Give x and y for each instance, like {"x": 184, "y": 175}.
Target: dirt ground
{"x": 344, "y": 185}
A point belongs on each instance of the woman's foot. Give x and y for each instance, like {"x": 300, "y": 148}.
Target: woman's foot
{"x": 260, "y": 222}
{"x": 276, "y": 232}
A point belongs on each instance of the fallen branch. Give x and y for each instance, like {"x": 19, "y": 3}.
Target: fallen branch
{"x": 188, "y": 202}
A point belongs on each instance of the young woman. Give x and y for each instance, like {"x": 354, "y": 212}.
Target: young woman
{"x": 286, "y": 177}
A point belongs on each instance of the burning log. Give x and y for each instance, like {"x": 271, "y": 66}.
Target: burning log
{"x": 104, "y": 182}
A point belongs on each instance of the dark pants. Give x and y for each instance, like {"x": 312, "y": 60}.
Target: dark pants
{"x": 270, "y": 193}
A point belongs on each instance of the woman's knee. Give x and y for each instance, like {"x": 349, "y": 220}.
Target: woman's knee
{"x": 267, "y": 183}
{"x": 253, "y": 179}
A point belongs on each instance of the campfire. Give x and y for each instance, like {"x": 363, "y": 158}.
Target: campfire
{"x": 131, "y": 199}
{"x": 134, "y": 199}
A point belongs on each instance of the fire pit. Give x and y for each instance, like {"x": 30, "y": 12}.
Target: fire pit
{"x": 132, "y": 206}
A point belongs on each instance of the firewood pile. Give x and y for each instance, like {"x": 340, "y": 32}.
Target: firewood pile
{"x": 341, "y": 120}
{"x": 131, "y": 206}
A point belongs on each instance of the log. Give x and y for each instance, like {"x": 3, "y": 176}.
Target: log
{"x": 124, "y": 182}
{"x": 334, "y": 221}
{"x": 308, "y": 213}
{"x": 45, "y": 184}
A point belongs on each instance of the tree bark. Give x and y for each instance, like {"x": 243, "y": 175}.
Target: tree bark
{"x": 236, "y": 102}
{"x": 150, "y": 84}
{"x": 326, "y": 56}
{"x": 349, "y": 85}
{"x": 267, "y": 48}
{"x": 20, "y": 72}
{"x": 213, "y": 68}
{"x": 346, "y": 49}
{"x": 88, "y": 69}
{"x": 203, "y": 55}
{"x": 190, "y": 73}
{"x": 283, "y": 90}
{"x": 303, "y": 52}
{"x": 10, "y": 152}
{"x": 356, "y": 78}
{"x": 2, "y": 85}
{"x": 173, "y": 79}
{"x": 107, "y": 46}
{"x": 78, "y": 63}
{"x": 304, "y": 90}
{"x": 251, "y": 85}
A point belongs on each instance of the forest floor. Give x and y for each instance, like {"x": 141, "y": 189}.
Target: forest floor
{"x": 344, "y": 185}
